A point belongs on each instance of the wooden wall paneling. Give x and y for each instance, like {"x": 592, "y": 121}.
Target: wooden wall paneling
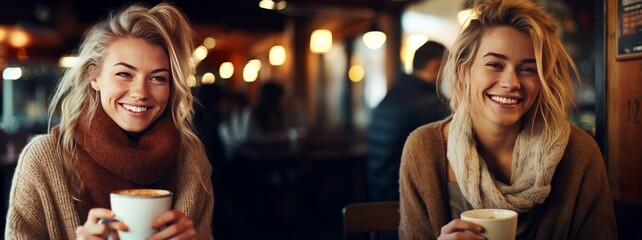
{"x": 624, "y": 116}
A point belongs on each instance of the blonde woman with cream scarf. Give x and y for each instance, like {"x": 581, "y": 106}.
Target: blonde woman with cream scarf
{"x": 509, "y": 143}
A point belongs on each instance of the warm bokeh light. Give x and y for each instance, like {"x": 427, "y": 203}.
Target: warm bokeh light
{"x": 321, "y": 41}
{"x": 277, "y": 55}
{"x": 251, "y": 70}
{"x": 191, "y": 81}
{"x": 356, "y": 73}
{"x": 3, "y": 34}
{"x": 374, "y": 39}
{"x": 193, "y": 62}
{"x": 200, "y": 53}
{"x": 208, "y": 78}
{"x": 18, "y": 38}
{"x": 280, "y": 5}
{"x": 12, "y": 73}
{"x": 267, "y": 4}
{"x": 209, "y": 42}
{"x": 226, "y": 70}
{"x": 464, "y": 16}
{"x": 272, "y": 5}
{"x": 67, "y": 61}
{"x": 413, "y": 42}
{"x": 22, "y": 54}
{"x": 257, "y": 63}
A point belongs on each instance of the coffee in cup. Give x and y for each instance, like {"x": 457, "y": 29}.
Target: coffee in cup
{"x": 497, "y": 224}
{"x": 137, "y": 208}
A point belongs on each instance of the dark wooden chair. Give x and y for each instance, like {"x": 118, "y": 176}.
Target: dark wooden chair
{"x": 370, "y": 217}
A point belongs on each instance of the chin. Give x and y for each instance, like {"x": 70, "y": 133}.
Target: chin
{"x": 507, "y": 122}
{"x": 133, "y": 129}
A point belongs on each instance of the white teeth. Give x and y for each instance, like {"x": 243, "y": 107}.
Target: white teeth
{"x": 135, "y": 108}
{"x": 504, "y": 100}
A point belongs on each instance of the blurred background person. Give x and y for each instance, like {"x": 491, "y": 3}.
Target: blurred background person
{"x": 210, "y": 113}
{"x": 271, "y": 120}
{"x": 413, "y": 101}
{"x": 232, "y": 128}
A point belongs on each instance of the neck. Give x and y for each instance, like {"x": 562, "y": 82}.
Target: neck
{"x": 424, "y": 75}
{"x": 133, "y": 136}
{"x": 495, "y": 145}
{"x": 496, "y": 139}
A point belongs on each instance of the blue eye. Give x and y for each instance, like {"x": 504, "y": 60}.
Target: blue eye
{"x": 494, "y": 65}
{"x": 123, "y": 74}
{"x": 529, "y": 70}
{"x": 159, "y": 79}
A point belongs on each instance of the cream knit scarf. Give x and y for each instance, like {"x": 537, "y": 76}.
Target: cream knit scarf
{"x": 534, "y": 162}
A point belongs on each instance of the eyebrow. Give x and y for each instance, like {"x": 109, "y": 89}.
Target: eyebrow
{"x": 135, "y": 69}
{"x": 504, "y": 57}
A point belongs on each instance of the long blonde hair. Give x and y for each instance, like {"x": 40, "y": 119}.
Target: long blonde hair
{"x": 164, "y": 25}
{"x": 555, "y": 67}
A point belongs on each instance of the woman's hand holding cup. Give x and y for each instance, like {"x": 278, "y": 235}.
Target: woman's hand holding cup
{"x": 179, "y": 226}
{"x": 460, "y": 229}
{"x": 95, "y": 229}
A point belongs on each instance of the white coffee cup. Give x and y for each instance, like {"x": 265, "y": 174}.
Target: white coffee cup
{"x": 497, "y": 224}
{"x": 137, "y": 208}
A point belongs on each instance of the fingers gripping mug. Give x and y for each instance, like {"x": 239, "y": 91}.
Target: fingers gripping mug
{"x": 497, "y": 224}
{"x": 137, "y": 208}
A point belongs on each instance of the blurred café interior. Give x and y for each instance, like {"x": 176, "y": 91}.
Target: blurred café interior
{"x": 334, "y": 61}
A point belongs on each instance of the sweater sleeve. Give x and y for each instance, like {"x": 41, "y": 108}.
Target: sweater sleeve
{"x": 195, "y": 194}
{"x": 205, "y": 221}
{"x": 25, "y": 214}
{"x": 596, "y": 217}
{"x": 415, "y": 221}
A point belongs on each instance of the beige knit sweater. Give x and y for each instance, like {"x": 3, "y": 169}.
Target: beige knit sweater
{"x": 579, "y": 205}
{"x": 41, "y": 204}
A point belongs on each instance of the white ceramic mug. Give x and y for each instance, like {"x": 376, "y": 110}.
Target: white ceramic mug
{"x": 137, "y": 208}
{"x": 497, "y": 224}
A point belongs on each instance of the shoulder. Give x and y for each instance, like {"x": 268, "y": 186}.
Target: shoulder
{"x": 424, "y": 156}
{"x": 431, "y": 133}
{"x": 38, "y": 159}
{"x": 426, "y": 144}
{"x": 40, "y": 148}
{"x": 582, "y": 155}
{"x": 195, "y": 157}
{"x": 582, "y": 146}
{"x": 195, "y": 163}
{"x": 41, "y": 140}
{"x": 402, "y": 91}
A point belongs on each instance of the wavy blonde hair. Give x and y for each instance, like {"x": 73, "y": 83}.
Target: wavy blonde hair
{"x": 164, "y": 25}
{"x": 555, "y": 67}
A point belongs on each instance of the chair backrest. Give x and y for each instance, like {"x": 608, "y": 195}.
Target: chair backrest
{"x": 370, "y": 217}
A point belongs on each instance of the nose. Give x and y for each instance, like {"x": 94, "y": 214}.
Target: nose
{"x": 510, "y": 80}
{"x": 138, "y": 89}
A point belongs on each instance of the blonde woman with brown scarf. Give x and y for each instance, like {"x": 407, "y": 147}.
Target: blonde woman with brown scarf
{"x": 125, "y": 122}
{"x": 509, "y": 143}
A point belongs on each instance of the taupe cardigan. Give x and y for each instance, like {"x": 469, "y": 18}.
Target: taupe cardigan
{"x": 579, "y": 205}
{"x": 41, "y": 204}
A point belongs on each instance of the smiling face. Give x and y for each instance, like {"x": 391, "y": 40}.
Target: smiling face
{"x": 504, "y": 82}
{"x": 133, "y": 83}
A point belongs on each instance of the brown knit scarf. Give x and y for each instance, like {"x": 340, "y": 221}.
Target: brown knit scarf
{"x": 108, "y": 159}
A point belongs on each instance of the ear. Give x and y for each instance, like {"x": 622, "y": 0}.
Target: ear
{"x": 434, "y": 64}
{"x": 463, "y": 78}
{"x": 93, "y": 77}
